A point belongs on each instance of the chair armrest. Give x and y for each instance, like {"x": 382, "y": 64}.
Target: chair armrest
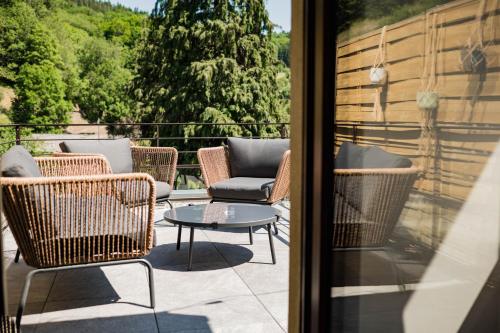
{"x": 59, "y": 221}
{"x": 75, "y": 165}
{"x": 282, "y": 183}
{"x": 214, "y": 165}
{"x": 159, "y": 162}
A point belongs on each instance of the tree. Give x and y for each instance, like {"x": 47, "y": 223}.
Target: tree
{"x": 40, "y": 96}
{"x": 23, "y": 40}
{"x": 104, "y": 81}
{"x": 210, "y": 61}
{"x": 282, "y": 41}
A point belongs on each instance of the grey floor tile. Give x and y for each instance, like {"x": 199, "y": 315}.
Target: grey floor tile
{"x": 113, "y": 283}
{"x": 259, "y": 273}
{"x": 83, "y": 316}
{"x": 206, "y": 283}
{"x": 16, "y": 276}
{"x": 31, "y": 315}
{"x": 277, "y": 305}
{"x": 232, "y": 314}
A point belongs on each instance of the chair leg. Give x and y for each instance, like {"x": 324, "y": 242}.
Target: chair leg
{"x": 170, "y": 204}
{"x": 18, "y": 254}
{"x": 29, "y": 277}
{"x": 275, "y": 228}
{"x": 151, "y": 282}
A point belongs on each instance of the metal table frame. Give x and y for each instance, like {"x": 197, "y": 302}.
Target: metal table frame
{"x": 192, "y": 225}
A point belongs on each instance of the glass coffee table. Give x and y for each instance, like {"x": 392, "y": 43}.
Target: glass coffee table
{"x": 221, "y": 215}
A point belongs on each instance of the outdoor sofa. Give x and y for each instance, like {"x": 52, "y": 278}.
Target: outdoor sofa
{"x": 123, "y": 157}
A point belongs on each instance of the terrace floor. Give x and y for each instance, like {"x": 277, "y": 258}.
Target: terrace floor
{"x": 233, "y": 287}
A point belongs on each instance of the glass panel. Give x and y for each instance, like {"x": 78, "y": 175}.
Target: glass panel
{"x": 417, "y": 183}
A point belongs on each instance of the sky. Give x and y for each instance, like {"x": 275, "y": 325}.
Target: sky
{"x": 279, "y": 10}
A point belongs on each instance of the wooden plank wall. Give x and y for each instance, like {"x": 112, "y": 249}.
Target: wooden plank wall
{"x": 459, "y": 155}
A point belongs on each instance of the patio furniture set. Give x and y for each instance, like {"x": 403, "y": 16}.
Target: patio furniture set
{"x": 93, "y": 203}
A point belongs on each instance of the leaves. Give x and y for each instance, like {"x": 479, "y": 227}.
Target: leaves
{"x": 212, "y": 62}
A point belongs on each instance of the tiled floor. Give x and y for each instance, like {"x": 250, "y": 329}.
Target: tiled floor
{"x": 233, "y": 287}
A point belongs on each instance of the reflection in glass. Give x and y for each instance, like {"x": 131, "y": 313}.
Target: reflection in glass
{"x": 417, "y": 188}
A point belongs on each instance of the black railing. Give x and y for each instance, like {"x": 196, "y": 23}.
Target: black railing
{"x": 155, "y": 140}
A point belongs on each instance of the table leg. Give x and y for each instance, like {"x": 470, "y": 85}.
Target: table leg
{"x": 179, "y": 233}
{"x": 190, "y": 253}
{"x": 269, "y": 232}
{"x": 250, "y": 233}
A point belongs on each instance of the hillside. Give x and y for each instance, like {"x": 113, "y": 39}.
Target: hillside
{"x": 58, "y": 54}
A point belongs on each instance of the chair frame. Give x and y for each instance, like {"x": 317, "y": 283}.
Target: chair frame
{"x": 73, "y": 177}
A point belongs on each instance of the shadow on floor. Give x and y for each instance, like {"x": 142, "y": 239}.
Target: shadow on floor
{"x": 143, "y": 323}
{"x": 205, "y": 256}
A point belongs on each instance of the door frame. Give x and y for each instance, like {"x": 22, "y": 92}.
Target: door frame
{"x": 313, "y": 54}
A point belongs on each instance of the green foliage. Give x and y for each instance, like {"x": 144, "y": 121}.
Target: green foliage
{"x": 23, "y": 40}
{"x": 282, "y": 41}
{"x": 87, "y": 46}
{"x": 210, "y": 61}
{"x": 362, "y": 16}
{"x": 104, "y": 82}
{"x": 40, "y": 92}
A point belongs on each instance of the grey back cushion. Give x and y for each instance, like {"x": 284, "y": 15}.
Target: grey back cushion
{"x": 18, "y": 162}
{"x": 352, "y": 156}
{"x": 256, "y": 157}
{"x": 117, "y": 152}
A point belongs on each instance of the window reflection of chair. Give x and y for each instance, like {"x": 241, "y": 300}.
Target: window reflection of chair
{"x": 369, "y": 201}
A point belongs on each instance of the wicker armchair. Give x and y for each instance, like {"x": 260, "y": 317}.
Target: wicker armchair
{"x": 368, "y": 203}
{"x": 79, "y": 215}
{"x": 159, "y": 162}
{"x": 214, "y": 164}
{"x": 371, "y": 187}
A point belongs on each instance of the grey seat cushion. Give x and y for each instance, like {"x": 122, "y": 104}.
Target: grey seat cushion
{"x": 162, "y": 190}
{"x": 352, "y": 156}
{"x": 243, "y": 188}
{"x": 258, "y": 158}
{"x": 18, "y": 162}
{"x": 117, "y": 152}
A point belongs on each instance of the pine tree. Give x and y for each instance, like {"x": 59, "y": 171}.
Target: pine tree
{"x": 210, "y": 61}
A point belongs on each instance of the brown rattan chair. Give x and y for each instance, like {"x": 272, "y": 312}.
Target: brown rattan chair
{"x": 254, "y": 186}
{"x": 159, "y": 162}
{"x": 214, "y": 164}
{"x": 79, "y": 215}
{"x": 368, "y": 203}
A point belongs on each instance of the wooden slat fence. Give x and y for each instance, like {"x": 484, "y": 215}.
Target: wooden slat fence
{"x": 459, "y": 155}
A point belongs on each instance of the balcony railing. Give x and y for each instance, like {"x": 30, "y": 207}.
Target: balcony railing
{"x": 181, "y": 142}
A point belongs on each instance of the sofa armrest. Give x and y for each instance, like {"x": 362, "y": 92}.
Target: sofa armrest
{"x": 159, "y": 162}
{"x": 214, "y": 165}
{"x": 282, "y": 183}
{"x": 73, "y": 165}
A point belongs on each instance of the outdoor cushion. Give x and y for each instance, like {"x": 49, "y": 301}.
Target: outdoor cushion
{"x": 243, "y": 188}
{"x": 18, "y": 162}
{"x": 352, "y": 156}
{"x": 258, "y": 158}
{"x": 162, "y": 190}
{"x": 349, "y": 156}
{"x": 117, "y": 152}
{"x": 375, "y": 158}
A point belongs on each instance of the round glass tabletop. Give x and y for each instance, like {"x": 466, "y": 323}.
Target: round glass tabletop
{"x": 221, "y": 215}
